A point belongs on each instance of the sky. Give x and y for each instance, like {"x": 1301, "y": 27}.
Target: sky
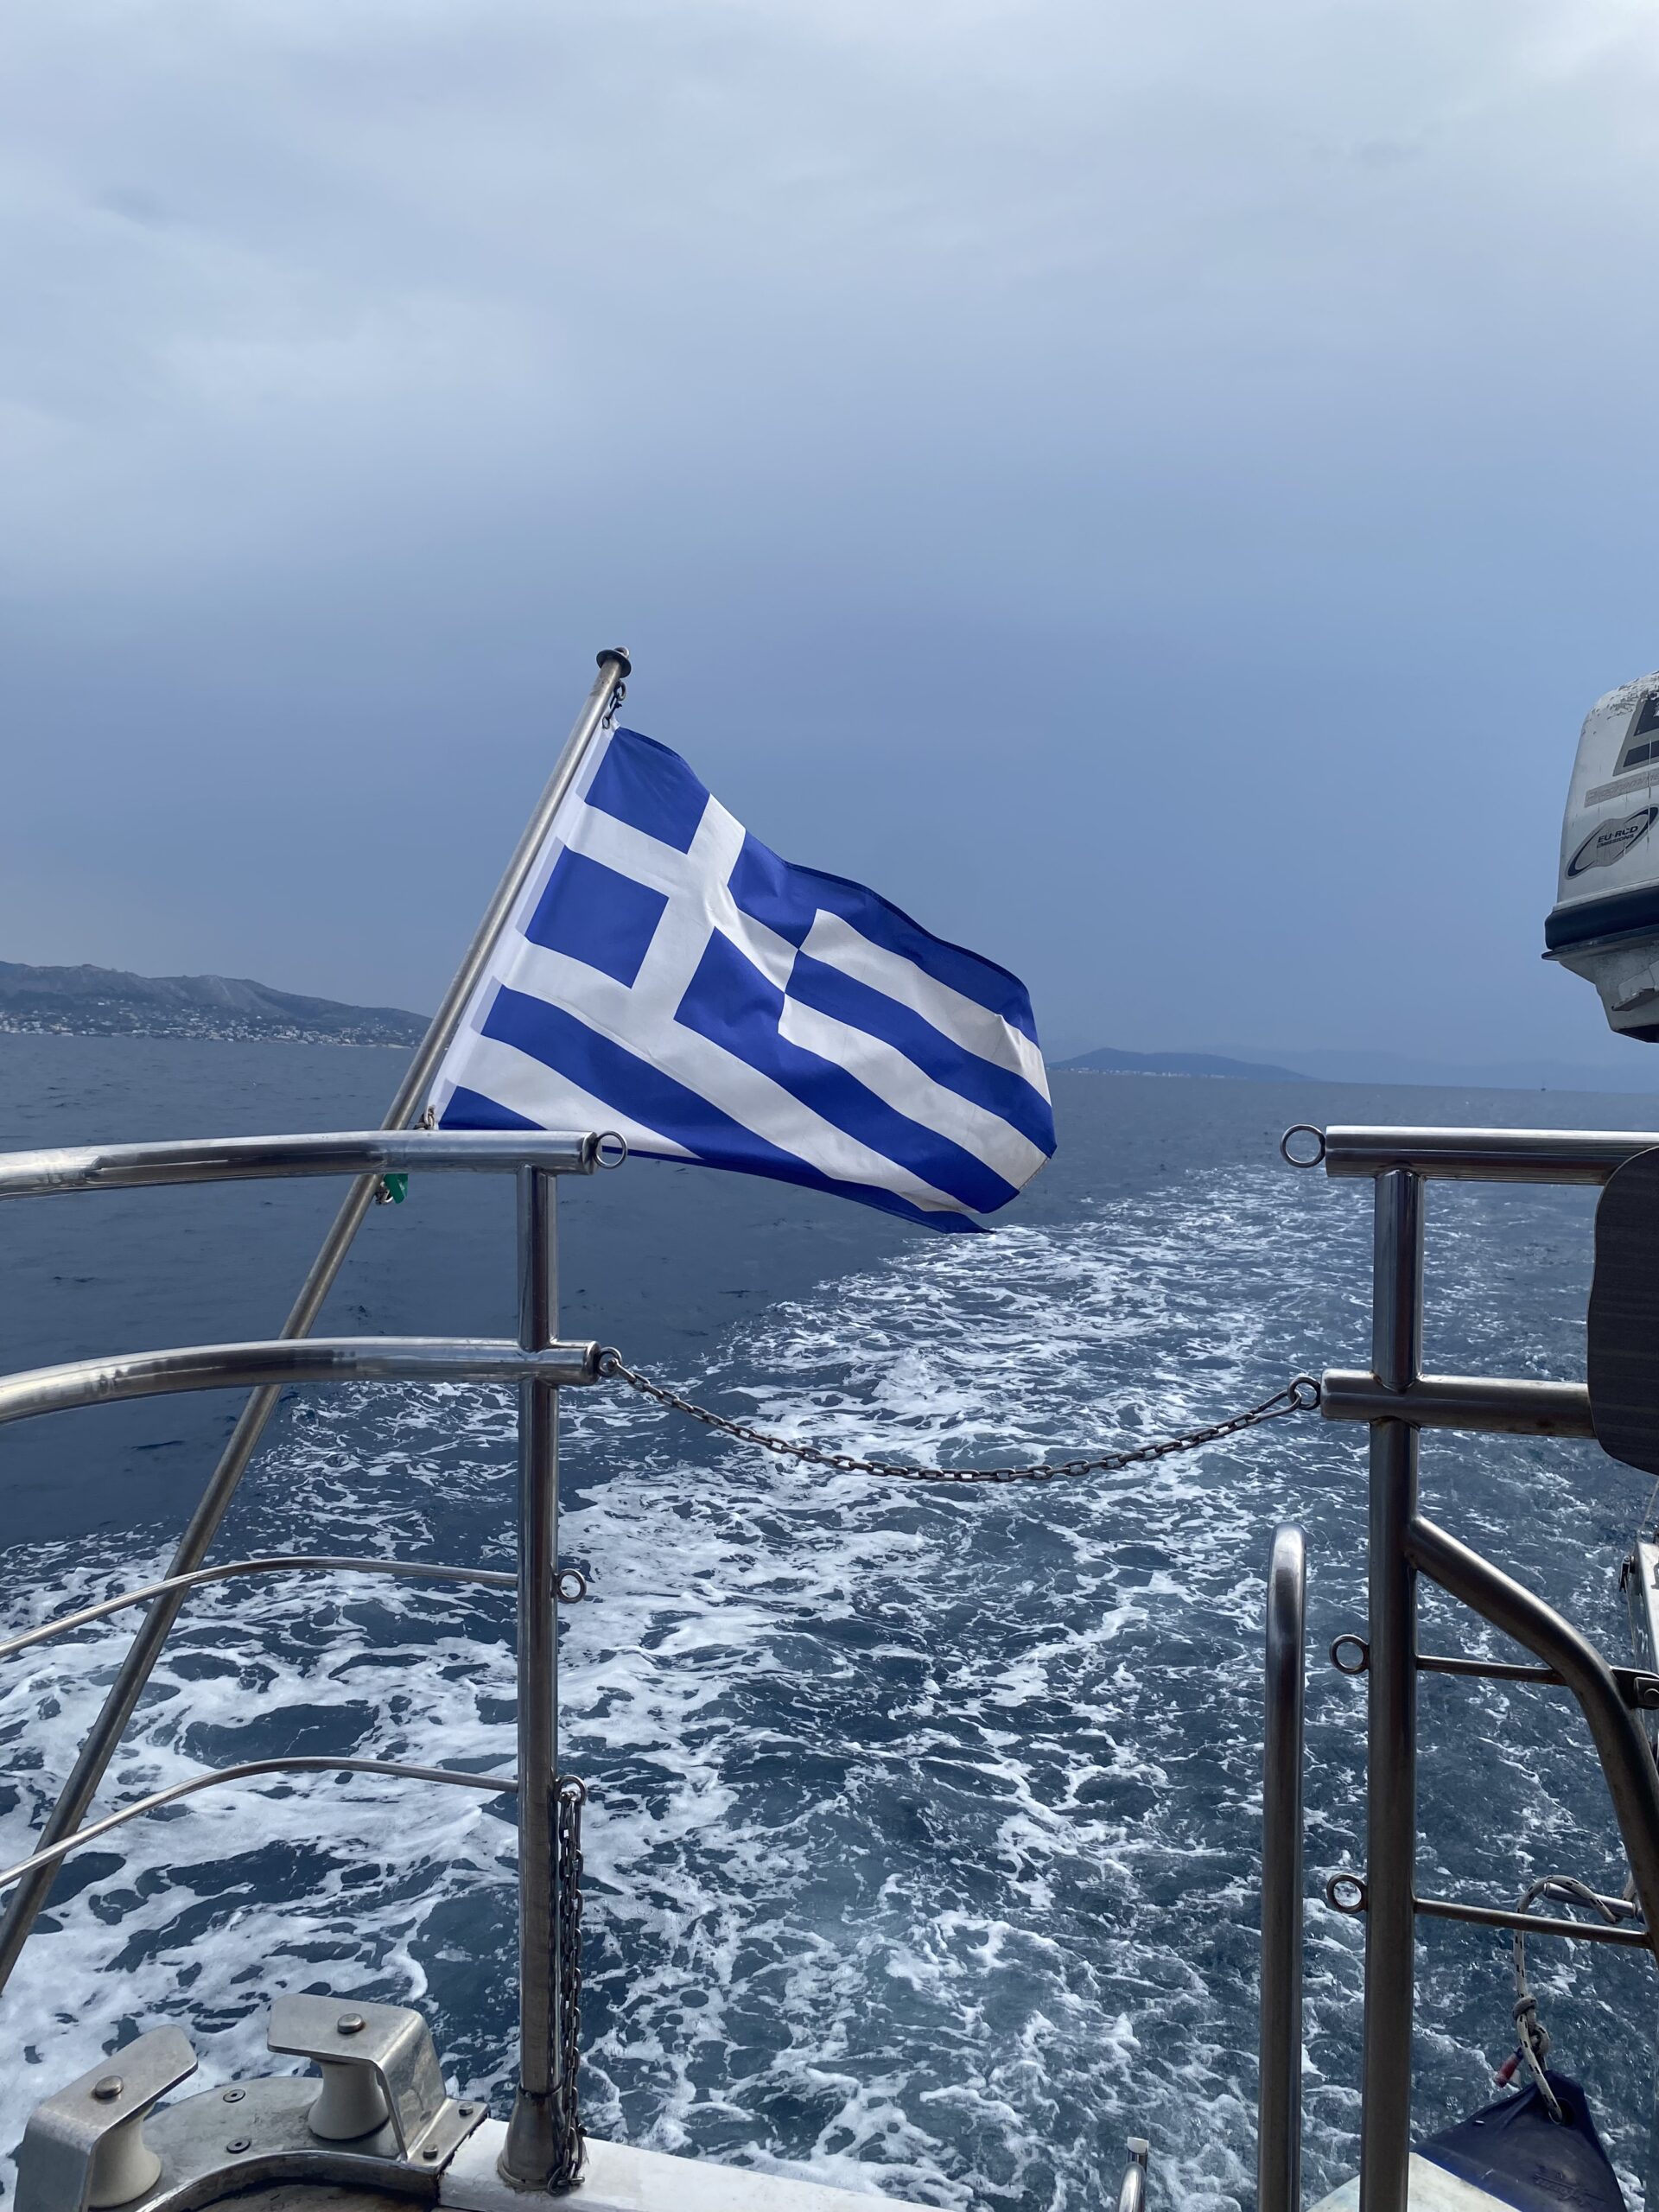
{"x": 1152, "y": 486}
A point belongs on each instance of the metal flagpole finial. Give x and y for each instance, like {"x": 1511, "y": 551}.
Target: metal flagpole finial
{"x": 614, "y": 667}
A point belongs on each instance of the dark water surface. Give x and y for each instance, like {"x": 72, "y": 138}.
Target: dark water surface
{"x": 922, "y": 1850}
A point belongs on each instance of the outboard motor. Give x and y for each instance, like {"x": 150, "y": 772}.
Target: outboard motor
{"x": 1604, "y": 925}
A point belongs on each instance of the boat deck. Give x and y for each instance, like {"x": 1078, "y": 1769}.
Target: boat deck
{"x": 617, "y": 2180}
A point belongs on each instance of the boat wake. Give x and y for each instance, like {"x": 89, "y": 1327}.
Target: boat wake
{"x": 922, "y": 1844}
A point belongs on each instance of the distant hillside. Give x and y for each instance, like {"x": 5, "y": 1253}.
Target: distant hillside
{"x": 1632, "y": 1068}
{"x": 109, "y": 1003}
{"x": 1105, "y": 1061}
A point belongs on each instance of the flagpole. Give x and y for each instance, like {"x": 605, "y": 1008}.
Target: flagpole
{"x": 30, "y": 1896}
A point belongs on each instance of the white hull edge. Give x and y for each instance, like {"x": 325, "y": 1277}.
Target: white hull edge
{"x": 621, "y": 2180}
{"x": 1431, "y": 2189}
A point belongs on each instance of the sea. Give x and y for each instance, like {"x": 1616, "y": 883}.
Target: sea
{"x": 922, "y": 1847}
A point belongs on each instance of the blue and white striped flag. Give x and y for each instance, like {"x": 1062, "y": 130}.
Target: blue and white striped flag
{"x": 667, "y": 977}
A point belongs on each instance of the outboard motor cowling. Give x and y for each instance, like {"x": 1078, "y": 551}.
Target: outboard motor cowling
{"x": 1604, "y": 925}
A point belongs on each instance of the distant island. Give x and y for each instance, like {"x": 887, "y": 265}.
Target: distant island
{"x": 1105, "y": 1061}
{"x": 110, "y": 1002}
{"x": 1635, "y": 1071}
{"x": 89, "y": 1001}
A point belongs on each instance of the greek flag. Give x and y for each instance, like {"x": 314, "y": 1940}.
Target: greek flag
{"x": 667, "y": 977}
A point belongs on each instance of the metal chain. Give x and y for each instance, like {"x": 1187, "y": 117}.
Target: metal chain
{"x": 1299, "y": 1397}
{"x": 572, "y": 1796}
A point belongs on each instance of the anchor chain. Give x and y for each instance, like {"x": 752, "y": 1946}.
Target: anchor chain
{"x": 1299, "y": 1397}
{"x": 571, "y": 2143}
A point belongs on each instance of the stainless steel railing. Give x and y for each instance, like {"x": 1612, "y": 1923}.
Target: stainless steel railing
{"x": 244, "y": 1160}
{"x": 283, "y": 1362}
{"x": 1395, "y": 1398}
{"x": 53, "y": 1855}
{"x": 1132, "y": 2190}
{"x": 1279, "y": 2094}
{"x": 489, "y": 1578}
{"x": 1398, "y": 1401}
{"x": 1481, "y": 1155}
{"x": 539, "y": 1363}
{"x": 408, "y": 1105}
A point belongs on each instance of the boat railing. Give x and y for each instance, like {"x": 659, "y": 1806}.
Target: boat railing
{"x": 538, "y": 1363}
{"x": 1279, "y": 2092}
{"x": 1132, "y": 2190}
{"x": 1395, "y": 1398}
{"x": 1398, "y": 1401}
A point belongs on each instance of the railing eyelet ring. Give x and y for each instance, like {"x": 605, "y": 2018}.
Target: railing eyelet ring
{"x": 611, "y": 1149}
{"x": 1295, "y": 1158}
{"x": 1347, "y": 1894}
{"x": 1355, "y": 1644}
{"x": 570, "y": 1586}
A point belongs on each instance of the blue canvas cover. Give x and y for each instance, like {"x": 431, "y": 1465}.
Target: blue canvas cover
{"x": 1515, "y": 2150}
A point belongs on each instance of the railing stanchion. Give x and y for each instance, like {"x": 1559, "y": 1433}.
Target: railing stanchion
{"x": 1391, "y": 1777}
{"x": 536, "y": 2147}
{"x": 1279, "y": 2122}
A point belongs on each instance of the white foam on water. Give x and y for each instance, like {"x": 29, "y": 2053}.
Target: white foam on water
{"x": 922, "y": 1845}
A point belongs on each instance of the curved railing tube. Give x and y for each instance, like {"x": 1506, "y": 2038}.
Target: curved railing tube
{"x": 54, "y": 1853}
{"x": 232, "y": 1570}
{"x": 242, "y": 1159}
{"x": 1279, "y": 2122}
{"x": 1483, "y": 1156}
{"x": 1621, "y": 1745}
{"x": 288, "y": 1360}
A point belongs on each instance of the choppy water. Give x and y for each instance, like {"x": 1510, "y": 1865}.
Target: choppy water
{"x": 922, "y": 1848}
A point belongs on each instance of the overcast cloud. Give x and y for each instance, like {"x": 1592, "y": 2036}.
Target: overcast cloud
{"x": 1152, "y": 487}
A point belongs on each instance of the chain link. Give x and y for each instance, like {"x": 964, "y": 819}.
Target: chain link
{"x": 572, "y": 1796}
{"x": 1299, "y": 1397}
